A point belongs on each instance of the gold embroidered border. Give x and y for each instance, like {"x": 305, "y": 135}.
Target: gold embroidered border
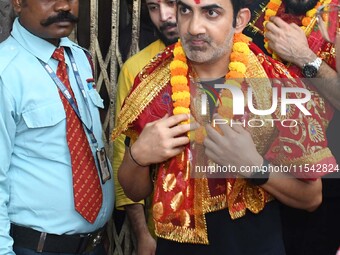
{"x": 254, "y": 68}
{"x": 258, "y": 80}
{"x": 180, "y": 234}
{"x": 310, "y": 27}
{"x": 215, "y": 203}
{"x": 198, "y": 234}
{"x": 211, "y": 203}
{"x": 310, "y": 158}
{"x": 141, "y": 97}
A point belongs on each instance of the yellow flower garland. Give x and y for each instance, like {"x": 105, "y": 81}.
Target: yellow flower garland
{"x": 271, "y": 10}
{"x": 180, "y": 85}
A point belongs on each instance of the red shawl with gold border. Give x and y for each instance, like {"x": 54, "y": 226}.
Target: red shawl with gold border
{"x": 180, "y": 202}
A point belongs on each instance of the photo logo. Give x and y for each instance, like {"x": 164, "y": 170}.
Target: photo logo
{"x": 239, "y": 100}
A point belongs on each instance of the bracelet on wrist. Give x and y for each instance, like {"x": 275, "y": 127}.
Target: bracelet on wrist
{"x": 134, "y": 160}
{"x": 261, "y": 176}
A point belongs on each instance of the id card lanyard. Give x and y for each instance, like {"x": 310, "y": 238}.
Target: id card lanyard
{"x": 66, "y": 93}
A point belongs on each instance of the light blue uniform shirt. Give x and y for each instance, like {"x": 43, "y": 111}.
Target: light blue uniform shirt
{"x": 35, "y": 169}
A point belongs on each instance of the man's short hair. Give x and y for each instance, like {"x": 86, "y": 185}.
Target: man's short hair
{"x": 237, "y": 6}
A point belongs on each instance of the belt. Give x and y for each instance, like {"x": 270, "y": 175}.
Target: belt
{"x": 43, "y": 242}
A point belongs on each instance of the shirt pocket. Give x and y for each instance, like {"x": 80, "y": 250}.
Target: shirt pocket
{"x": 44, "y": 135}
{"x": 45, "y": 116}
{"x": 96, "y": 99}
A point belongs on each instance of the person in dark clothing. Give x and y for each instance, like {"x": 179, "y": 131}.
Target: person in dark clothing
{"x": 304, "y": 232}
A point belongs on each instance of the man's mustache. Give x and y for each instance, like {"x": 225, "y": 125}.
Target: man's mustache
{"x": 201, "y": 37}
{"x": 62, "y": 16}
{"x": 166, "y": 25}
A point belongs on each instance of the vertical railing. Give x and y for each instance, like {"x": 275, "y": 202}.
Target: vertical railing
{"x": 107, "y": 68}
{"x": 6, "y": 18}
{"x": 135, "y": 26}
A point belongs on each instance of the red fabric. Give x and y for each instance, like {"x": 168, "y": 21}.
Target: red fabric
{"x": 87, "y": 191}
{"x": 171, "y": 203}
{"x": 314, "y": 124}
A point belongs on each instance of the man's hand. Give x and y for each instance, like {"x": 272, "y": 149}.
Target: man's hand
{"x": 146, "y": 245}
{"x": 161, "y": 139}
{"x": 236, "y": 147}
{"x": 288, "y": 41}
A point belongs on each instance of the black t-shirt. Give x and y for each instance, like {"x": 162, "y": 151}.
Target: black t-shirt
{"x": 317, "y": 232}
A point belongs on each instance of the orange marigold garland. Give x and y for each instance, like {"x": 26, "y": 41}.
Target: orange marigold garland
{"x": 180, "y": 85}
{"x": 179, "y": 82}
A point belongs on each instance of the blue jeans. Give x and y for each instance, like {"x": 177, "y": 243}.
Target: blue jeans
{"x": 99, "y": 250}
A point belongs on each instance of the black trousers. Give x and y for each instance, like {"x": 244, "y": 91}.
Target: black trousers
{"x": 252, "y": 234}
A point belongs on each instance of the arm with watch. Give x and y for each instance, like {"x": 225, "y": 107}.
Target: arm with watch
{"x": 290, "y": 191}
{"x": 290, "y": 43}
{"x": 325, "y": 79}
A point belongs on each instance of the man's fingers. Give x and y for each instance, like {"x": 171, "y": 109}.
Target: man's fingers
{"x": 272, "y": 29}
{"x": 216, "y": 137}
{"x": 269, "y": 35}
{"x": 180, "y": 141}
{"x": 183, "y": 128}
{"x": 225, "y": 127}
{"x": 210, "y": 145}
{"x": 238, "y": 128}
{"x": 194, "y": 125}
{"x": 176, "y": 151}
{"x": 165, "y": 116}
{"x": 180, "y": 129}
{"x": 210, "y": 154}
{"x": 278, "y": 22}
{"x": 295, "y": 26}
{"x": 176, "y": 119}
{"x": 212, "y": 133}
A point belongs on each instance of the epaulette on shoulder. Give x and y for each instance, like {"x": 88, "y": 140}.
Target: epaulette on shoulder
{"x": 80, "y": 47}
{"x": 88, "y": 55}
{"x": 10, "y": 53}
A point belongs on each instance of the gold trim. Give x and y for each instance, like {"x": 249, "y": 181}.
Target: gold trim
{"x": 311, "y": 26}
{"x": 254, "y": 68}
{"x": 257, "y": 79}
{"x": 313, "y": 158}
{"x": 141, "y": 97}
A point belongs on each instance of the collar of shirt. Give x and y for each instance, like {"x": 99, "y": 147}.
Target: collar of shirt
{"x": 39, "y": 47}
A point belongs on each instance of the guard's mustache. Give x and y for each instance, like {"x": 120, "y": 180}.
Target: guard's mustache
{"x": 62, "y": 16}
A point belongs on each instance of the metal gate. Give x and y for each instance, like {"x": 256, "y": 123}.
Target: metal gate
{"x": 107, "y": 69}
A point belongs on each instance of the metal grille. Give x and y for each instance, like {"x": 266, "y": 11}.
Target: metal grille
{"x": 107, "y": 68}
